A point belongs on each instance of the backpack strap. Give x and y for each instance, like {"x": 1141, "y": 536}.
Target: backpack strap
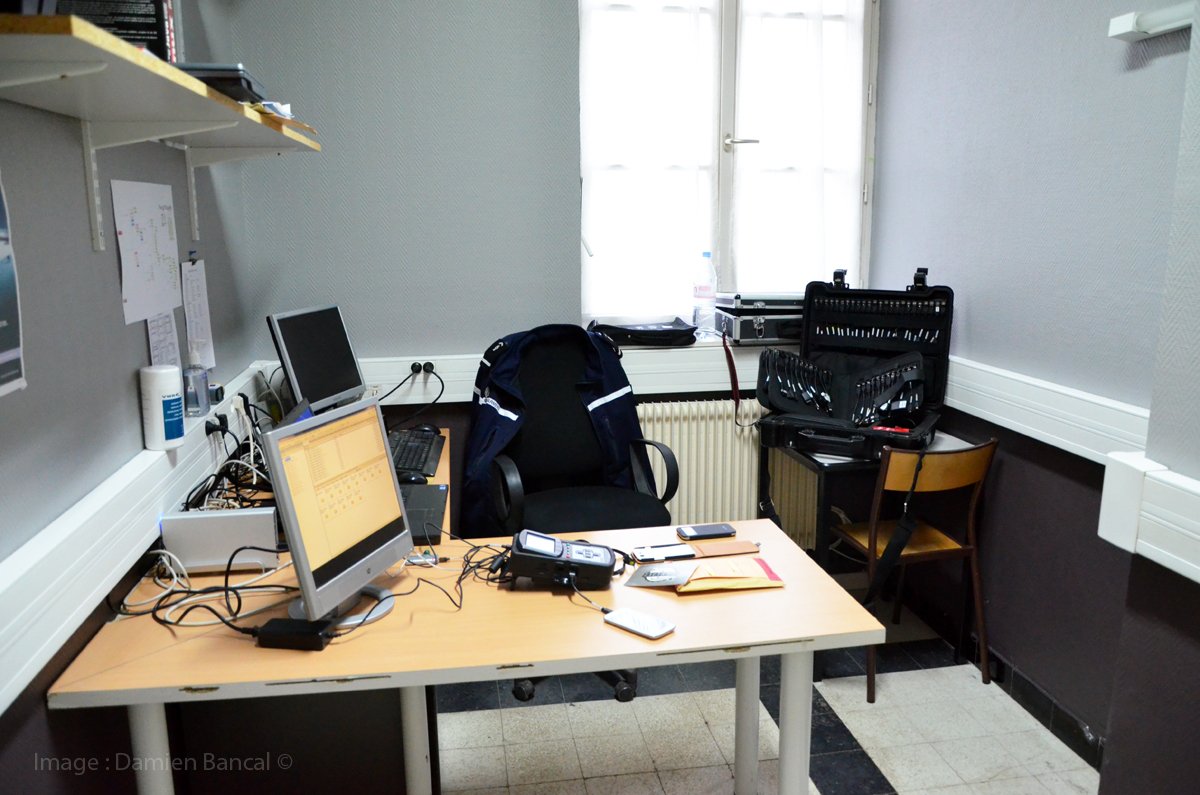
{"x": 899, "y": 540}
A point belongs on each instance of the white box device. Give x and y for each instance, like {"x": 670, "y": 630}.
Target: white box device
{"x": 204, "y": 540}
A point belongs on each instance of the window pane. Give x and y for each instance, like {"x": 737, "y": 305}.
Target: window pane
{"x": 647, "y": 110}
{"x": 796, "y": 215}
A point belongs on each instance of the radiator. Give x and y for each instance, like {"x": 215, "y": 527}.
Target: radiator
{"x": 718, "y": 466}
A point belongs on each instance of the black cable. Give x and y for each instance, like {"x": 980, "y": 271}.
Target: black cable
{"x": 422, "y": 410}
{"x": 571, "y": 580}
{"x": 389, "y": 597}
{"x": 407, "y": 378}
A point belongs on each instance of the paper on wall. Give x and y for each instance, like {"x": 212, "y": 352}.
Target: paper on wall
{"x": 144, "y": 214}
{"x": 12, "y": 361}
{"x": 164, "y": 340}
{"x": 195, "y": 311}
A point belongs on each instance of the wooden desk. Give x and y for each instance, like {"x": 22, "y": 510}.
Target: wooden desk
{"x": 498, "y": 633}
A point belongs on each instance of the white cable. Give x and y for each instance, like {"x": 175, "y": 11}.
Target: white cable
{"x": 209, "y": 597}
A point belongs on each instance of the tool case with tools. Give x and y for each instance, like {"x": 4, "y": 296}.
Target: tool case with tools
{"x": 870, "y": 373}
{"x": 761, "y": 318}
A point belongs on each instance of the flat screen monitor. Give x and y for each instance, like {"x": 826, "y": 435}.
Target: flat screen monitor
{"x": 338, "y": 498}
{"x": 316, "y": 355}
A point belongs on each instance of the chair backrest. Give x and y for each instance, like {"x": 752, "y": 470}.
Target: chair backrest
{"x": 940, "y": 471}
{"x": 557, "y": 445}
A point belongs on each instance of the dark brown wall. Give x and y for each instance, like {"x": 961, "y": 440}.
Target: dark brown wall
{"x": 1154, "y": 726}
{"x": 1054, "y": 591}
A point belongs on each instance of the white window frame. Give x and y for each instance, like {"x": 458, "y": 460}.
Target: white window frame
{"x": 729, "y": 17}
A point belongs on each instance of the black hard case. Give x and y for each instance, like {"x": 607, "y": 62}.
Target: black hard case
{"x": 840, "y": 320}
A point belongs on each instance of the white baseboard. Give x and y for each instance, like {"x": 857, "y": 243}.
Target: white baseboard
{"x": 52, "y": 583}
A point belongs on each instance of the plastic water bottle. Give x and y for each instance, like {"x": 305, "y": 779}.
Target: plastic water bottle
{"x": 704, "y": 293}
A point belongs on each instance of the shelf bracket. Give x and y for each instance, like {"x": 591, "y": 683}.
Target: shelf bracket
{"x": 210, "y": 156}
{"x": 106, "y": 134}
{"x": 21, "y": 73}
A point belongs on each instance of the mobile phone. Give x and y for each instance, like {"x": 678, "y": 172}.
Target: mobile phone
{"x": 699, "y": 532}
{"x": 663, "y": 552}
{"x": 639, "y": 623}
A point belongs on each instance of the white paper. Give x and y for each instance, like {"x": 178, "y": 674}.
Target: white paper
{"x": 195, "y": 311}
{"x": 12, "y": 361}
{"x": 145, "y": 218}
{"x": 164, "y": 340}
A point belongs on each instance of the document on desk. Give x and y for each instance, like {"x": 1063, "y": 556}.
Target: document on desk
{"x": 144, "y": 214}
{"x": 195, "y": 311}
{"x": 164, "y": 340}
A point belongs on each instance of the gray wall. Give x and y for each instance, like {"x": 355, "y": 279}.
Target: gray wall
{"x": 444, "y": 209}
{"x": 79, "y": 419}
{"x": 1154, "y": 726}
{"x": 1028, "y": 161}
{"x": 1174, "y": 437}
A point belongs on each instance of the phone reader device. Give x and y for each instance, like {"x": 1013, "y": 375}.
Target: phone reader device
{"x": 551, "y": 561}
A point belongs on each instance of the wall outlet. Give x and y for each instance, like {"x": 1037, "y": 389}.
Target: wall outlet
{"x": 372, "y": 391}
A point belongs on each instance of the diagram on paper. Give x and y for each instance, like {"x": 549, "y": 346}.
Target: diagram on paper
{"x": 145, "y": 219}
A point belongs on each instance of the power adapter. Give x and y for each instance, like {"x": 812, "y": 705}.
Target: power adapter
{"x": 294, "y": 633}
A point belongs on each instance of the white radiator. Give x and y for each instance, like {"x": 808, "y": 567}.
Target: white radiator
{"x": 718, "y": 466}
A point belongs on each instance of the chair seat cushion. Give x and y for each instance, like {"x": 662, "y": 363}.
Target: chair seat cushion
{"x": 580, "y": 509}
{"x": 925, "y": 539}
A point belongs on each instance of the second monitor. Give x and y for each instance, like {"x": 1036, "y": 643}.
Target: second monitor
{"x": 316, "y": 355}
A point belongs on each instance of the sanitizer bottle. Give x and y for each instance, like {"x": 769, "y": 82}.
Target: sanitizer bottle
{"x": 195, "y": 385}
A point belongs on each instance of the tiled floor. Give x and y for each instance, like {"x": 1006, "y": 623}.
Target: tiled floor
{"x": 933, "y": 729}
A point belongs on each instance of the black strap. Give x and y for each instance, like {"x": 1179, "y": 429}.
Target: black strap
{"x": 899, "y": 540}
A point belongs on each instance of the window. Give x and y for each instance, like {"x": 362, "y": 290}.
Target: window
{"x": 662, "y": 86}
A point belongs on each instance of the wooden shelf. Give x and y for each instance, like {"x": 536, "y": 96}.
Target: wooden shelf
{"x": 122, "y": 95}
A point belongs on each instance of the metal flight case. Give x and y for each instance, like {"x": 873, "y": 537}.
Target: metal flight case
{"x": 760, "y": 318}
{"x": 871, "y": 371}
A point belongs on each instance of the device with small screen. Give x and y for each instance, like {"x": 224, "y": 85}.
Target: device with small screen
{"x": 316, "y": 356}
{"x": 340, "y": 505}
{"x": 662, "y": 552}
{"x": 700, "y": 532}
{"x": 551, "y": 561}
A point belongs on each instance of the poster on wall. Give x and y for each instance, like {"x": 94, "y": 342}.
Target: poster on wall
{"x": 12, "y": 363}
{"x": 144, "y": 214}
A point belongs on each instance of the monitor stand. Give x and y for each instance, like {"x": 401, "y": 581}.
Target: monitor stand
{"x": 339, "y": 615}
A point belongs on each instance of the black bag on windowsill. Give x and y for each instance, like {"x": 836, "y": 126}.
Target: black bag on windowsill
{"x": 675, "y": 334}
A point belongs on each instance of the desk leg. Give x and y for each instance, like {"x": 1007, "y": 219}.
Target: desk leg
{"x": 414, "y": 729}
{"x": 745, "y": 742}
{"x": 795, "y": 721}
{"x": 151, "y": 749}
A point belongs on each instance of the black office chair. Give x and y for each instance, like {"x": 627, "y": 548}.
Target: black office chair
{"x": 550, "y": 477}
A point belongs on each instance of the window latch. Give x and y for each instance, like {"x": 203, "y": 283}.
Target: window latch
{"x": 730, "y": 141}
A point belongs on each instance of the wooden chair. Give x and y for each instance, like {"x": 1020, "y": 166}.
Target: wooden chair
{"x": 940, "y": 471}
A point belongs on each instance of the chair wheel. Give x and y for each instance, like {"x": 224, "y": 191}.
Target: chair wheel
{"x": 523, "y": 690}
{"x": 624, "y": 692}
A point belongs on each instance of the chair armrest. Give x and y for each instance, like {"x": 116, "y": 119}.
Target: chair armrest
{"x": 639, "y": 476}
{"x": 508, "y": 494}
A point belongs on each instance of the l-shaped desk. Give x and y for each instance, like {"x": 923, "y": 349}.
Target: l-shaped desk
{"x": 498, "y": 633}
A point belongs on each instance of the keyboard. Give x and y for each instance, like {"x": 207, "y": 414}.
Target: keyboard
{"x": 416, "y": 450}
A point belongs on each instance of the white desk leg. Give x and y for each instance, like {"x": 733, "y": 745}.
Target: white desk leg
{"x": 151, "y": 749}
{"x": 414, "y": 732}
{"x": 745, "y": 743}
{"x": 795, "y": 721}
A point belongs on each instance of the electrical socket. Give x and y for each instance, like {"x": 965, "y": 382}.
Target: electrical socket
{"x": 372, "y": 391}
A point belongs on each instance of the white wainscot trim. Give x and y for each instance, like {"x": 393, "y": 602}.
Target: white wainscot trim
{"x": 1151, "y": 511}
{"x": 1079, "y": 422}
{"x": 50, "y": 585}
{"x": 651, "y": 371}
